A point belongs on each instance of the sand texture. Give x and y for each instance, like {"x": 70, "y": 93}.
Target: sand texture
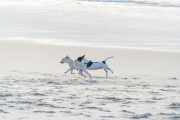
{"x": 145, "y": 84}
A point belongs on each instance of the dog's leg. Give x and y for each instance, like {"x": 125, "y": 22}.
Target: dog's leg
{"x": 67, "y": 71}
{"x": 110, "y": 69}
{"x": 106, "y": 72}
{"x": 87, "y": 73}
{"x": 72, "y": 71}
{"x": 81, "y": 73}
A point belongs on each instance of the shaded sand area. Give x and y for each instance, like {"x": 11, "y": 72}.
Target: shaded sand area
{"x": 145, "y": 84}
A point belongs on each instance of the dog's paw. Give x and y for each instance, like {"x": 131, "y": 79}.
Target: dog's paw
{"x": 84, "y": 78}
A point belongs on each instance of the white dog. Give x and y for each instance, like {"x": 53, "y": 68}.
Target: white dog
{"x": 75, "y": 65}
{"x": 95, "y": 65}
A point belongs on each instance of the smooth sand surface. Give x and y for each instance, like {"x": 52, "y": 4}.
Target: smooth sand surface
{"x": 37, "y": 57}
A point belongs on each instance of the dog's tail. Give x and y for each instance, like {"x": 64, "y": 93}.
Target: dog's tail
{"x": 109, "y": 58}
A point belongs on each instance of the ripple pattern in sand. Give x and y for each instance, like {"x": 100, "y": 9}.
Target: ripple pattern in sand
{"x": 47, "y": 96}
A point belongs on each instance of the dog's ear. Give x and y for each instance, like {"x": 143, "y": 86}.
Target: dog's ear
{"x": 83, "y": 56}
{"x": 67, "y": 56}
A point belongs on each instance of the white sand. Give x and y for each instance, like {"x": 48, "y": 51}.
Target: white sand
{"x": 145, "y": 84}
{"x": 31, "y": 57}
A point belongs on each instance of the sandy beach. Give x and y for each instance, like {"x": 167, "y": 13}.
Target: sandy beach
{"x": 29, "y": 56}
{"x": 142, "y": 35}
{"x": 145, "y": 84}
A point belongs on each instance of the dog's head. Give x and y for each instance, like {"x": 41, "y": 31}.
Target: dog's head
{"x": 64, "y": 60}
{"x": 79, "y": 59}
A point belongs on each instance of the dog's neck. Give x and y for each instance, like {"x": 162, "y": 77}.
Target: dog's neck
{"x": 68, "y": 61}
